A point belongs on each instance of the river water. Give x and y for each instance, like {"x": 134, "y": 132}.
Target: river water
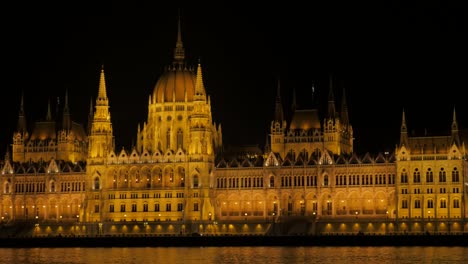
{"x": 245, "y": 255}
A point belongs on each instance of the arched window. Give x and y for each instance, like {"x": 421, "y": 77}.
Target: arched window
{"x": 181, "y": 172}
{"x": 416, "y": 176}
{"x": 96, "y": 183}
{"x": 168, "y": 138}
{"x": 272, "y": 181}
{"x": 52, "y": 186}
{"x": 455, "y": 175}
{"x": 325, "y": 180}
{"x": 429, "y": 175}
{"x": 169, "y": 174}
{"x": 180, "y": 138}
{"x": 404, "y": 177}
{"x": 195, "y": 181}
{"x": 442, "y": 175}
{"x": 7, "y": 188}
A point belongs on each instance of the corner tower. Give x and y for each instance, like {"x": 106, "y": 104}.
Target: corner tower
{"x": 101, "y": 139}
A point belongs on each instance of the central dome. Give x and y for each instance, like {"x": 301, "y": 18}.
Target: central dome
{"x": 176, "y": 84}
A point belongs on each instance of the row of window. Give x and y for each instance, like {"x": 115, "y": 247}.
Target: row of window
{"x": 145, "y": 208}
{"x": 430, "y": 204}
{"x": 40, "y": 187}
{"x": 378, "y": 179}
{"x": 309, "y": 181}
{"x": 429, "y": 190}
{"x": 430, "y": 176}
{"x": 146, "y": 195}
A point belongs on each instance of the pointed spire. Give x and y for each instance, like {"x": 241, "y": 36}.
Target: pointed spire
{"x": 278, "y": 105}
{"x": 344, "y": 109}
{"x": 102, "y": 94}
{"x": 455, "y": 134}
{"x": 21, "y": 127}
{"x": 403, "y": 122}
{"x": 199, "y": 87}
{"x": 454, "y": 120}
{"x": 49, "y": 114}
{"x": 66, "y": 121}
{"x": 403, "y": 131}
{"x": 331, "y": 100}
{"x": 267, "y": 148}
{"x": 294, "y": 101}
{"x": 179, "y": 52}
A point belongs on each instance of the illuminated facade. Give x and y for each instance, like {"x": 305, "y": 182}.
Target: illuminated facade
{"x": 177, "y": 180}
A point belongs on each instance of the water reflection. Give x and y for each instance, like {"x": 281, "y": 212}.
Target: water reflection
{"x": 251, "y": 255}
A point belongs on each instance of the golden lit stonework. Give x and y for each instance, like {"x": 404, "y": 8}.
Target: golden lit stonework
{"x": 178, "y": 179}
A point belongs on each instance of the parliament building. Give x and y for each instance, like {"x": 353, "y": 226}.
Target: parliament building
{"x": 60, "y": 177}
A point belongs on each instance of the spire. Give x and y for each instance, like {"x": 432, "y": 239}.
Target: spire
{"x": 21, "y": 127}
{"x": 278, "y": 106}
{"x": 49, "y": 114}
{"x": 344, "y": 109}
{"x": 267, "y": 148}
{"x": 199, "y": 87}
{"x": 100, "y": 138}
{"x": 455, "y": 135}
{"x": 179, "y": 52}
{"x": 403, "y": 131}
{"x": 294, "y": 102}
{"x": 331, "y": 100}
{"x": 454, "y": 120}
{"x": 66, "y": 122}
{"x": 102, "y": 94}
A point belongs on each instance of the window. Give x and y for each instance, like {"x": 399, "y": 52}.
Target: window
{"x": 417, "y": 204}
{"x": 404, "y": 177}
{"x": 325, "y": 180}
{"x": 456, "y": 203}
{"x": 443, "y": 203}
{"x": 272, "y": 181}
{"x": 111, "y": 208}
{"x": 416, "y": 176}
{"x": 168, "y": 138}
{"x": 442, "y": 175}
{"x": 195, "y": 207}
{"x": 404, "y": 204}
{"x": 134, "y": 207}
{"x": 122, "y": 208}
{"x": 96, "y": 183}
{"x": 156, "y": 207}
{"x": 168, "y": 207}
{"x": 455, "y": 175}
{"x": 180, "y": 207}
{"x": 180, "y": 138}
{"x": 429, "y": 176}
{"x": 195, "y": 181}
{"x": 96, "y": 208}
{"x": 430, "y": 204}
{"x": 145, "y": 207}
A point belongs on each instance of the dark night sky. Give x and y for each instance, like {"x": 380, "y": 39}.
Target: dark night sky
{"x": 386, "y": 56}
